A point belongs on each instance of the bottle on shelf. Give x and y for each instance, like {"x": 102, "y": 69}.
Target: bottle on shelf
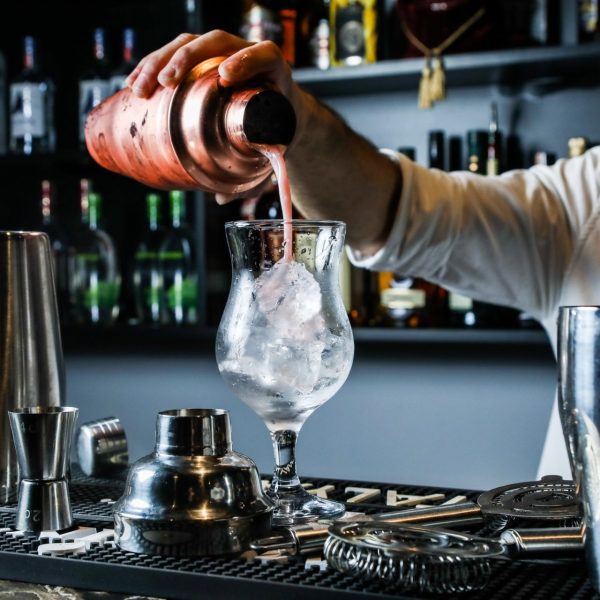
{"x": 177, "y": 261}
{"x": 96, "y": 278}
{"x": 541, "y": 157}
{"x": 588, "y": 12}
{"x": 353, "y": 26}
{"x": 494, "y": 143}
{"x": 455, "y": 153}
{"x": 319, "y": 44}
{"x": 407, "y": 302}
{"x": 260, "y": 23}
{"x": 364, "y": 297}
{"x": 94, "y": 84}
{"x": 576, "y": 146}
{"x": 436, "y": 149}
{"x": 147, "y": 278}
{"x": 409, "y": 151}
{"x": 31, "y": 104}
{"x": 477, "y": 150}
{"x": 3, "y": 111}
{"x": 486, "y": 314}
{"x": 289, "y": 18}
{"x": 128, "y": 62}
{"x": 61, "y": 249}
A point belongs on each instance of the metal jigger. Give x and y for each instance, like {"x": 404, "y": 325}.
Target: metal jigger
{"x": 42, "y": 437}
{"x": 31, "y": 359}
{"x": 579, "y": 406}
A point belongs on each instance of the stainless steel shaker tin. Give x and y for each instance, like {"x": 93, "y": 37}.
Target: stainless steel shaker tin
{"x": 193, "y": 496}
{"x": 578, "y": 354}
{"x": 31, "y": 359}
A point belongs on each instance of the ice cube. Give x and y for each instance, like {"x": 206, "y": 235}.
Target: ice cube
{"x": 290, "y": 298}
{"x": 294, "y": 367}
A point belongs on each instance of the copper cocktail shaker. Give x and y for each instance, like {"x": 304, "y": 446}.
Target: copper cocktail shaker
{"x": 199, "y": 135}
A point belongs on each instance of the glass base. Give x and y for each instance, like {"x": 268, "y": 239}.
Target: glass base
{"x": 293, "y": 508}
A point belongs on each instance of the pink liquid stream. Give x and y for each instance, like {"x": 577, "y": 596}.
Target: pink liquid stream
{"x": 275, "y": 156}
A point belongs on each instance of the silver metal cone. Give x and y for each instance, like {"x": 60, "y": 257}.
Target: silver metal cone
{"x": 579, "y": 406}
{"x": 31, "y": 360}
{"x": 43, "y": 437}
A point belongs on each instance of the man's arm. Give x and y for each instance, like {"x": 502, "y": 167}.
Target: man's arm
{"x": 334, "y": 172}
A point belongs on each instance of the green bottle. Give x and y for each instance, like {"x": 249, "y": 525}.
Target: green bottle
{"x": 178, "y": 267}
{"x": 147, "y": 279}
{"x": 96, "y": 277}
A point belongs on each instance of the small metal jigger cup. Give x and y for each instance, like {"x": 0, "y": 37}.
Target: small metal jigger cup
{"x": 42, "y": 437}
{"x": 579, "y": 407}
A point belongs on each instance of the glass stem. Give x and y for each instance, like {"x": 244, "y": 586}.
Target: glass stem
{"x": 285, "y": 477}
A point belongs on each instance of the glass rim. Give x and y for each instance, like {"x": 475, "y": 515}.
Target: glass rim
{"x": 279, "y": 223}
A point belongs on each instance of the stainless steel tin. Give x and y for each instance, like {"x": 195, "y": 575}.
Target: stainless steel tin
{"x": 193, "y": 495}
{"x": 102, "y": 447}
{"x": 31, "y": 359}
{"x": 579, "y": 406}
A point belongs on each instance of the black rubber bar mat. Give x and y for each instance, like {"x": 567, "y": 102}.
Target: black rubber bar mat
{"x": 104, "y": 567}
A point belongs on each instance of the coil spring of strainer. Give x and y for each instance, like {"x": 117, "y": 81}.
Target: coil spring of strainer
{"x": 411, "y": 557}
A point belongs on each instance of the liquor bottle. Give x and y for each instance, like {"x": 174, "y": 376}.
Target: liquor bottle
{"x": 320, "y": 45}
{"x": 409, "y": 151}
{"x": 3, "y": 96}
{"x": 94, "y": 84}
{"x": 128, "y": 63}
{"x": 494, "y": 143}
{"x": 364, "y": 295}
{"x": 61, "y": 250}
{"x": 541, "y": 157}
{"x": 589, "y": 29}
{"x": 489, "y": 315}
{"x": 147, "y": 282}
{"x": 576, "y": 146}
{"x": 177, "y": 266}
{"x": 31, "y": 106}
{"x": 96, "y": 277}
{"x": 455, "y": 153}
{"x": 353, "y": 26}
{"x": 260, "y": 23}
{"x": 289, "y": 18}
{"x": 461, "y": 311}
{"x": 477, "y": 151}
{"x": 436, "y": 150}
{"x": 409, "y": 302}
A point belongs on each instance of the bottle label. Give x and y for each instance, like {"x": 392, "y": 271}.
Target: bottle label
{"x": 350, "y": 34}
{"x": 27, "y": 114}
{"x": 459, "y": 303}
{"x": 102, "y": 294}
{"x": 354, "y": 31}
{"x": 403, "y": 298}
{"x": 91, "y": 93}
{"x": 492, "y": 166}
{"x": 183, "y": 294}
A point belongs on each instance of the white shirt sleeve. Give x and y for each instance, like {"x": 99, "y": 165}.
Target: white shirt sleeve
{"x": 507, "y": 239}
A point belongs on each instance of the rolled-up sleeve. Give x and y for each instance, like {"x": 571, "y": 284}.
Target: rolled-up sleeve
{"x": 507, "y": 239}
